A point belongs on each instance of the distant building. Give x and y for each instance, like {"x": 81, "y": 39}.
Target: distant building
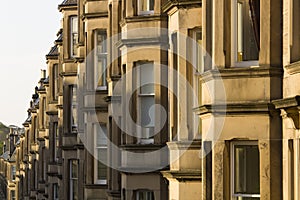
{"x": 132, "y": 107}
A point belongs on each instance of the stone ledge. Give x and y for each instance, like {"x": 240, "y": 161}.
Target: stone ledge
{"x": 236, "y": 73}
{"x": 185, "y": 145}
{"x": 293, "y": 68}
{"x": 181, "y": 4}
{"x": 246, "y": 108}
{"x": 181, "y": 176}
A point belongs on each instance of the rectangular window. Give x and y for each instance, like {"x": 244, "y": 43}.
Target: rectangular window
{"x": 55, "y": 141}
{"x": 13, "y": 172}
{"x": 13, "y": 194}
{"x": 44, "y": 163}
{"x": 246, "y": 32}
{"x": 145, "y": 7}
{"x": 55, "y": 82}
{"x": 44, "y": 113}
{"x": 100, "y": 153}
{"x": 35, "y": 129}
{"x": 73, "y": 108}
{"x": 73, "y": 183}
{"x": 55, "y": 191}
{"x": 245, "y": 170}
{"x": 146, "y": 95}
{"x": 144, "y": 195}
{"x": 36, "y": 172}
{"x": 100, "y": 58}
{"x": 197, "y": 50}
{"x": 73, "y": 35}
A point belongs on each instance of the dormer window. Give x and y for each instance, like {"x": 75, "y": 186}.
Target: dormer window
{"x": 145, "y": 7}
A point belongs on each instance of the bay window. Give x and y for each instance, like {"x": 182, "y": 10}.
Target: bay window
{"x": 145, "y": 7}
{"x": 245, "y": 180}
{"x": 100, "y": 173}
{"x": 246, "y": 32}
{"x": 100, "y": 37}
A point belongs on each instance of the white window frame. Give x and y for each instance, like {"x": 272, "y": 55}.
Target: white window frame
{"x": 96, "y": 128}
{"x": 100, "y": 54}
{"x": 147, "y": 129}
{"x": 73, "y": 33}
{"x": 148, "y": 11}
{"x": 232, "y": 157}
{"x": 234, "y": 38}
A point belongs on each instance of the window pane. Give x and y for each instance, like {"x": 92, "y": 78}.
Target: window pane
{"x": 144, "y": 195}
{"x": 148, "y": 113}
{"x": 145, "y": 6}
{"x": 74, "y": 35}
{"x": 101, "y": 71}
{"x": 74, "y": 169}
{"x": 247, "y": 30}
{"x": 73, "y": 97}
{"x": 74, "y": 24}
{"x": 101, "y": 42}
{"x": 101, "y": 136}
{"x": 147, "y": 78}
{"x": 102, "y": 169}
{"x": 100, "y": 57}
{"x": 246, "y": 162}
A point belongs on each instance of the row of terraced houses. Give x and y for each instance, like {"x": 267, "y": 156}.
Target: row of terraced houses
{"x": 164, "y": 99}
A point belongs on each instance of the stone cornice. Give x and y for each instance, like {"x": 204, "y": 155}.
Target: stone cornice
{"x": 62, "y": 74}
{"x": 287, "y": 102}
{"x": 67, "y": 7}
{"x": 247, "y": 108}
{"x": 293, "y": 68}
{"x": 142, "y": 42}
{"x": 94, "y": 15}
{"x": 181, "y": 4}
{"x": 141, "y": 147}
{"x": 236, "y": 73}
{"x": 103, "y": 108}
{"x": 52, "y": 112}
{"x": 290, "y": 108}
{"x": 181, "y": 176}
{"x": 143, "y": 18}
{"x": 184, "y": 145}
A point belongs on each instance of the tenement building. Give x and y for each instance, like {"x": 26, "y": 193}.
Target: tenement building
{"x": 163, "y": 100}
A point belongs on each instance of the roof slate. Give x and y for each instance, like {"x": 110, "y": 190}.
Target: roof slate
{"x": 53, "y": 51}
{"x": 68, "y": 3}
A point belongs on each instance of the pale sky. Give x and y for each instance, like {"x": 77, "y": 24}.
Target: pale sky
{"x": 28, "y": 30}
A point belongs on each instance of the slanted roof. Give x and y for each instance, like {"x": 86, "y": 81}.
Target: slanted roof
{"x": 5, "y": 155}
{"x": 53, "y": 53}
{"x": 67, "y": 3}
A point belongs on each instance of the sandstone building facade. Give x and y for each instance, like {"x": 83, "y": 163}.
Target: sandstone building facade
{"x": 157, "y": 100}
